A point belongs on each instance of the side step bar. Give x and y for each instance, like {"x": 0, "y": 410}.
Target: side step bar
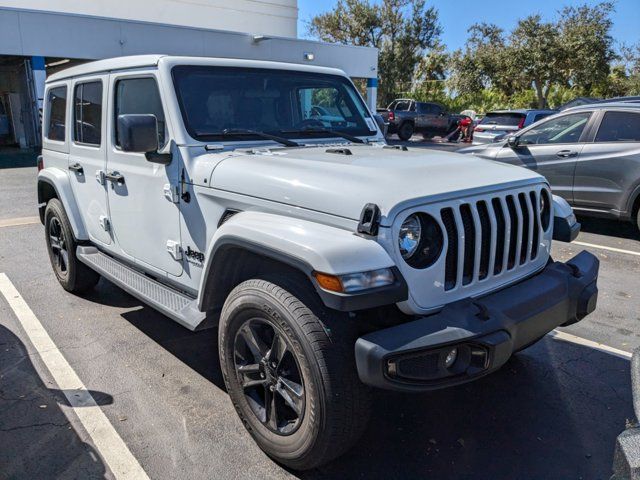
{"x": 175, "y": 305}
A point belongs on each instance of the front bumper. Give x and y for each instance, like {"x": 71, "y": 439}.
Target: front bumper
{"x": 484, "y": 332}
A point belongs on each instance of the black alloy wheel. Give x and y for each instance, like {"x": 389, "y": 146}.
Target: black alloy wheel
{"x": 58, "y": 244}
{"x": 270, "y": 376}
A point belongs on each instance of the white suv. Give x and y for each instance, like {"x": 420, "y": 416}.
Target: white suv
{"x": 260, "y": 197}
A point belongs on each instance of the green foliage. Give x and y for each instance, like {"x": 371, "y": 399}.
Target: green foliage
{"x": 402, "y": 30}
{"x": 537, "y": 65}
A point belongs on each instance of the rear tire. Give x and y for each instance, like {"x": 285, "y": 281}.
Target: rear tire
{"x": 73, "y": 275}
{"x": 405, "y": 132}
{"x": 331, "y": 404}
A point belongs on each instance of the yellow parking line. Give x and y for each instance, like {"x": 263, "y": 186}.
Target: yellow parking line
{"x": 611, "y": 249}
{"x": 14, "y": 222}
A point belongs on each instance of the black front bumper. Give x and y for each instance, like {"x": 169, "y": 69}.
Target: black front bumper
{"x": 484, "y": 332}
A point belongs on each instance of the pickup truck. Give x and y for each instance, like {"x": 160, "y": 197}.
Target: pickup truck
{"x": 406, "y": 117}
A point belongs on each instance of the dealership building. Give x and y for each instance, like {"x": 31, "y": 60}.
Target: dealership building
{"x": 39, "y": 37}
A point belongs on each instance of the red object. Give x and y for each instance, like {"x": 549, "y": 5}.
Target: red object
{"x": 465, "y": 122}
{"x": 521, "y": 124}
{"x": 392, "y": 116}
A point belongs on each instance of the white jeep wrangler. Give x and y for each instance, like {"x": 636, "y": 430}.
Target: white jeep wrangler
{"x": 262, "y": 199}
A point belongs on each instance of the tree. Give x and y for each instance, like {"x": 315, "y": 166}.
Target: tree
{"x": 402, "y": 30}
{"x": 573, "y": 53}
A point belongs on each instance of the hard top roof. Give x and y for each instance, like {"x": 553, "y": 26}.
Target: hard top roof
{"x": 137, "y": 61}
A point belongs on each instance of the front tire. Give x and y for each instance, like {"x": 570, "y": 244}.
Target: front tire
{"x": 73, "y": 275}
{"x": 291, "y": 377}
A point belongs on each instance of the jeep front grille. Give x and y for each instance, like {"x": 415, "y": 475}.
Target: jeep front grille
{"x": 490, "y": 236}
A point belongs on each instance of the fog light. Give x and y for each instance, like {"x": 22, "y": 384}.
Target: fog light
{"x": 450, "y": 359}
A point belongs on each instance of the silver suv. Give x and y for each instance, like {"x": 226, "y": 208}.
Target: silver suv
{"x": 260, "y": 198}
{"x": 494, "y": 126}
{"x": 589, "y": 154}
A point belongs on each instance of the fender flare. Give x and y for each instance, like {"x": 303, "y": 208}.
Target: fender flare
{"x": 635, "y": 194}
{"x": 307, "y": 247}
{"x": 60, "y": 182}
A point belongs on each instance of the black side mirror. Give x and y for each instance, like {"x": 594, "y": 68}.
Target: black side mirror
{"x": 138, "y": 133}
{"x": 513, "y": 141}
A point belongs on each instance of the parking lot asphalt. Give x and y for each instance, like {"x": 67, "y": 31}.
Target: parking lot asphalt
{"x": 552, "y": 412}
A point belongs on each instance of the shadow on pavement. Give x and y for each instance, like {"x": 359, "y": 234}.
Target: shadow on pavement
{"x": 552, "y": 412}
{"x": 36, "y": 438}
{"x": 612, "y": 228}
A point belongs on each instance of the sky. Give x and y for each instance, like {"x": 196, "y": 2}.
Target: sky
{"x": 456, "y": 16}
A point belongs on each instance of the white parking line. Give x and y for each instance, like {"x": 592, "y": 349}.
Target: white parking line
{"x": 111, "y": 447}
{"x": 14, "y": 222}
{"x": 611, "y": 249}
{"x": 567, "y": 337}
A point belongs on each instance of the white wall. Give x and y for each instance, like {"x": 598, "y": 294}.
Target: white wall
{"x": 267, "y": 17}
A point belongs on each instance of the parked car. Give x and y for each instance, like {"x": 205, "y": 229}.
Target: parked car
{"x": 589, "y": 154}
{"x": 406, "y": 117}
{"x": 495, "y": 125}
{"x": 329, "y": 261}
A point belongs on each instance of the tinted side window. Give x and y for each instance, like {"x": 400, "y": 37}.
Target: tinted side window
{"x": 540, "y": 116}
{"x": 619, "y": 127}
{"x": 57, "y": 106}
{"x": 427, "y": 108}
{"x": 87, "y": 111}
{"x": 140, "y": 96}
{"x": 403, "y": 105}
{"x": 565, "y": 129}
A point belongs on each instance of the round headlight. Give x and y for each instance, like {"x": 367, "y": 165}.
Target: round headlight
{"x": 410, "y": 234}
{"x": 420, "y": 240}
{"x": 545, "y": 209}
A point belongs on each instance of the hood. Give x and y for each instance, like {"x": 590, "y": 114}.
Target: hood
{"x": 486, "y": 150}
{"x": 339, "y": 184}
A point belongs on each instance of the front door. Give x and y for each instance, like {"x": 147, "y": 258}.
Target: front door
{"x": 87, "y": 154}
{"x": 608, "y": 169}
{"x": 551, "y": 149}
{"x": 144, "y": 218}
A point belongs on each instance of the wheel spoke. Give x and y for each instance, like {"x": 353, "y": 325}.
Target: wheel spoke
{"x": 64, "y": 260}
{"x": 292, "y": 393}
{"x": 256, "y": 346}
{"x": 250, "y": 375}
{"x": 278, "y": 348}
{"x": 271, "y": 414}
{"x": 54, "y": 242}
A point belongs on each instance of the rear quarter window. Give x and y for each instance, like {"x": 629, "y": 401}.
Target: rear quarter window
{"x": 619, "y": 127}
{"x": 508, "y": 119}
{"x": 57, "y": 114}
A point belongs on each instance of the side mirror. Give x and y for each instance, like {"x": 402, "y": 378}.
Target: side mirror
{"x": 138, "y": 133}
{"x": 513, "y": 141}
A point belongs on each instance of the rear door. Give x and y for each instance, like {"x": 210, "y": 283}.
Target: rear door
{"x": 608, "y": 169}
{"x": 144, "y": 218}
{"x": 551, "y": 148}
{"x": 87, "y": 154}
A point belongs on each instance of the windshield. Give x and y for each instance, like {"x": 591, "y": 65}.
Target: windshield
{"x": 217, "y": 101}
{"x": 507, "y": 119}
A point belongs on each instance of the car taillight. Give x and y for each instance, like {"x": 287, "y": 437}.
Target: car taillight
{"x": 392, "y": 116}
{"x": 521, "y": 124}
{"x": 40, "y": 162}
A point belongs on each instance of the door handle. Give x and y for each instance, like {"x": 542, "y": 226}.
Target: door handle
{"x": 566, "y": 153}
{"x": 76, "y": 167}
{"x": 115, "y": 177}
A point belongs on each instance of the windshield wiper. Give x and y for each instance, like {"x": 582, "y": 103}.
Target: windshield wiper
{"x": 237, "y": 132}
{"x": 327, "y": 131}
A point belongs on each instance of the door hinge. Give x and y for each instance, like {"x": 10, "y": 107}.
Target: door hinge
{"x": 105, "y": 224}
{"x": 174, "y": 249}
{"x": 100, "y": 177}
{"x": 171, "y": 193}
